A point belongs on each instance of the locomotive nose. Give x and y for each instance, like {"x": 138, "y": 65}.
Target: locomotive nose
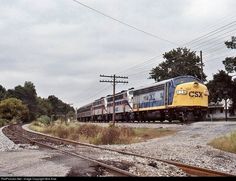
{"x": 192, "y": 94}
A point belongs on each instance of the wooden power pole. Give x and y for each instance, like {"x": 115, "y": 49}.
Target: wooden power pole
{"x": 114, "y": 82}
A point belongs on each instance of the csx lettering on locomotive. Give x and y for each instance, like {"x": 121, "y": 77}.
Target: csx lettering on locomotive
{"x": 195, "y": 94}
{"x": 183, "y": 98}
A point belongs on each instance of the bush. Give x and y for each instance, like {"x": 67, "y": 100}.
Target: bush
{"x": 13, "y": 109}
{"x": 37, "y": 123}
{"x": 74, "y": 130}
{"x": 102, "y": 135}
{"x": 226, "y": 143}
{"x": 126, "y": 132}
{"x": 89, "y": 130}
{"x": 94, "y": 134}
{"x": 3, "y": 122}
{"x": 61, "y": 131}
{"x": 44, "y": 120}
{"x": 110, "y": 136}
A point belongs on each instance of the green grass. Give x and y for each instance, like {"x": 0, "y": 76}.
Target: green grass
{"x": 225, "y": 143}
{"x": 2, "y": 122}
{"x": 95, "y": 134}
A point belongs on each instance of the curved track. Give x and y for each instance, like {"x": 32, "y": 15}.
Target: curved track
{"x": 18, "y": 135}
{"x": 38, "y": 138}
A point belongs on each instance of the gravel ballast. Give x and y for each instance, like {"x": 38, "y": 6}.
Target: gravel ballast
{"x": 189, "y": 145}
{"x": 27, "y": 160}
{"x": 5, "y": 143}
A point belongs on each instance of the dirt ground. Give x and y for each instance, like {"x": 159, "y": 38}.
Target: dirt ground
{"x": 27, "y": 162}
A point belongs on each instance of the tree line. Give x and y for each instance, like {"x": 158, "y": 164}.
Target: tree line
{"x": 183, "y": 61}
{"x": 23, "y": 104}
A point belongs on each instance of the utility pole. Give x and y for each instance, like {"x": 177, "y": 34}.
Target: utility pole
{"x": 76, "y": 114}
{"x": 201, "y": 66}
{"x": 114, "y": 82}
{"x": 226, "y": 107}
{"x": 226, "y": 110}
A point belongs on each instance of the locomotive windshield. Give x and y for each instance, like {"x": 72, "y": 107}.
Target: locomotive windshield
{"x": 181, "y": 80}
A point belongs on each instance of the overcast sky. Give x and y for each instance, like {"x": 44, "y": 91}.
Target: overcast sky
{"x": 63, "y": 47}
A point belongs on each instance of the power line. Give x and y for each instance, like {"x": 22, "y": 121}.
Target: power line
{"x": 195, "y": 45}
{"x": 123, "y": 23}
{"x": 114, "y": 82}
{"x": 214, "y": 39}
{"x": 94, "y": 95}
{"x": 214, "y": 31}
{"x": 192, "y": 42}
{"x": 219, "y": 21}
{"x": 197, "y": 42}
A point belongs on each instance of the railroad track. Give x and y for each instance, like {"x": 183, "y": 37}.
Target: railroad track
{"x": 19, "y": 136}
{"x": 189, "y": 169}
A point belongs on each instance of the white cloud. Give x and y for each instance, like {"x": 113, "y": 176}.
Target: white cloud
{"x": 62, "y": 47}
{"x": 206, "y": 9}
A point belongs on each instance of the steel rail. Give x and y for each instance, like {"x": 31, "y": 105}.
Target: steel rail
{"x": 112, "y": 168}
{"x": 192, "y": 170}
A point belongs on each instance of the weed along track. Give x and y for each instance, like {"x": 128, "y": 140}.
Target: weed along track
{"x": 15, "y": 132}
{"x": 110, "y": 160}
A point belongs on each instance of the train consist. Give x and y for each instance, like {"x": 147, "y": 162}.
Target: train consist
{"x": 183, "y": 98}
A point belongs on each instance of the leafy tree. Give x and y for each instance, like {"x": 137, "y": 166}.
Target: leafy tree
{"x": 59, "y": 108}
{"x": 28, "y": 96}
{"x": 234, "y": 95}
{"x": 44, "y": 107}
{"x": 230, "y": 62}
{"x": 221, "y": 87}
{"x": 44, "y": 119}
{"x": 37, "y": 106}
{"x": 230, "y": 67}
{"x": 178, "y": 62}
{"x": 13, "y": 109}
{"x": 2, "y": 92}
{"x": 231, "y": 44}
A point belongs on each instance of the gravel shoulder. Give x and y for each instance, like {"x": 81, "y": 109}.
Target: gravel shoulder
{"x": 189, "y": 145}
{"x": 26, "y": 160}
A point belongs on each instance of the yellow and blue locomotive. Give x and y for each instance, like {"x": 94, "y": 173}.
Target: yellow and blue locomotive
{"x": 183, "y": 98}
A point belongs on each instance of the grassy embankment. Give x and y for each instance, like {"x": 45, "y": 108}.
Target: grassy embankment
{"x": 225, "y": 143}
{"x": 4, "y": 122}
{"x": 94, "y": 134}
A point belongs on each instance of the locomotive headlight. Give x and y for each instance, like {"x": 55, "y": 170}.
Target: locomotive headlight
{"x": 181, "y": 92}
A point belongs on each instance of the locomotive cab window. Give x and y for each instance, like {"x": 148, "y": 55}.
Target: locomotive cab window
{"x": 181, "y": 80}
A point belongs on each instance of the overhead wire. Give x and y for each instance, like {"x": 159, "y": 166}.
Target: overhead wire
{"x": 214, "y": 39}
{"x": 94, "y": 95}
{"x": 131, "y": 26}
{"x": 210, "y": 33}
{"x": 223, "y": 20}
{"x": 151, "y": 60}
{"x": 222, "y": 28}
{"x": 205, "y": 45}
{"x": 123, "y": 23}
